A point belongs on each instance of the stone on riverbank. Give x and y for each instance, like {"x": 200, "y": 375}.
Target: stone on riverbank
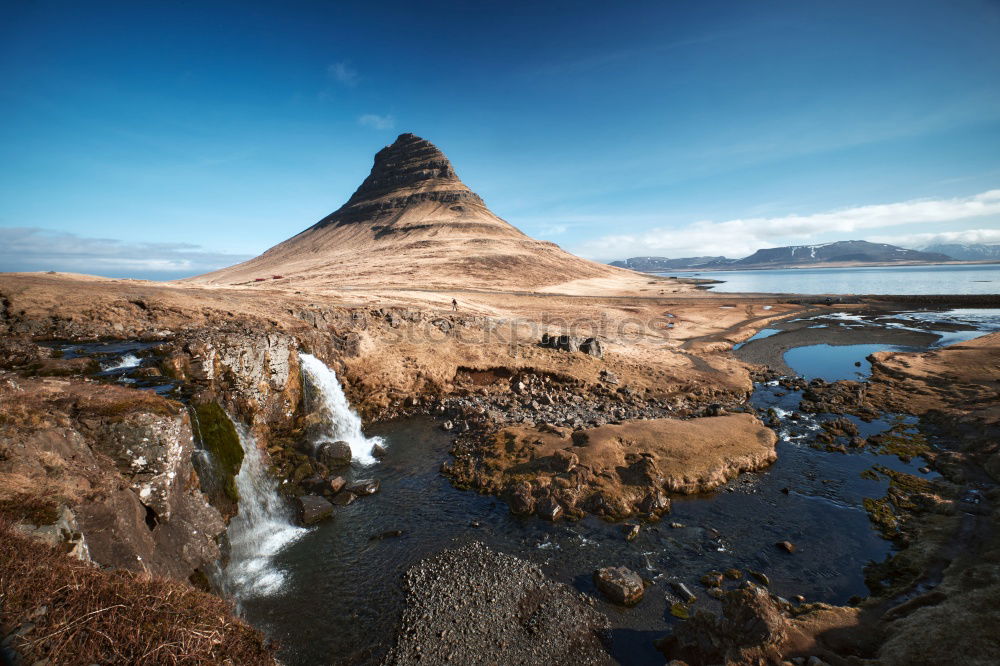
{"x": 621, "y": 585}
{"x": 313, "y": 508}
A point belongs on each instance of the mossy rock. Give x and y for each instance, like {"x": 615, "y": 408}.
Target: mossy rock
{"x": 219, "y": 437}
{"x": 880, "y": 512}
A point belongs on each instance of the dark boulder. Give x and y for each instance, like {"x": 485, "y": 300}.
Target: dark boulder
{"x": 563, "y": 461}
{"x": 753, "y": 629}
{"x": 378, "y": 451}
{"x": 521, "y": 500}
{"x": 334, "y": 454}
{"x": 364, "y": 487}
{"x": 343, "y": 498}
{"x": 336, "y": 484}
{"x": 313, "y": 508}
{"x": 549, "y": 509}
{"x": 655, "y": 504}
{"x": 314, "y": 484}
{"x": 592, "y": 347}
{"x": 620, "y": 585}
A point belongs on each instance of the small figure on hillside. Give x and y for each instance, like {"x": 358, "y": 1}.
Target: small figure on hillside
{"x": 454, "y": 305}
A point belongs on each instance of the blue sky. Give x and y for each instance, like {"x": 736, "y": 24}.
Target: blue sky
{"x": 158, "y": 139}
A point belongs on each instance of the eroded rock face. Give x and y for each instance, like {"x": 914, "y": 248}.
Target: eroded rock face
{"x": 119, "y": 461}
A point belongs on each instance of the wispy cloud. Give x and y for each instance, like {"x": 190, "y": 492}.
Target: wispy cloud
{"x": 741, "y": 237}
{"x": 35, "y": 249}
{"x": 376, "y": 121}
{"x": 341, "y": 72}
{"x": 920, "y": 241}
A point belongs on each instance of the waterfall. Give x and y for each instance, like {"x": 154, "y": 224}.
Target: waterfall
{"x": 341, "y": 422}
{"x": 260, "y": 529}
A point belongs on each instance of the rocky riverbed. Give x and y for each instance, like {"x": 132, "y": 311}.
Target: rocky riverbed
{"x": 884, "y": 466}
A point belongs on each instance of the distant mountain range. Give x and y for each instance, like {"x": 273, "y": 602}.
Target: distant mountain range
{"x": 797, "y": 255}
{"x": 966, "y": 252}
{"x": 649, "y": 264}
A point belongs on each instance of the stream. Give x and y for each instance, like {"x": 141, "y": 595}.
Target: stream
{"x": 332, "y": 593}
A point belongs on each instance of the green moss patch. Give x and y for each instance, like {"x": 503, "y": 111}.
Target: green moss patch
{"x": 219, "y": 437}
{"x": 902, "y": 442}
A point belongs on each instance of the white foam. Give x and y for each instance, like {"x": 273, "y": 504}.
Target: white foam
{"x": 342, "y": 423}
{"x": 261, "y": 529}
{"x": 123, "y": 363}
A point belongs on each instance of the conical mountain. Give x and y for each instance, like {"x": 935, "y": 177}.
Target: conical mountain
{"x": 413, "y": 223}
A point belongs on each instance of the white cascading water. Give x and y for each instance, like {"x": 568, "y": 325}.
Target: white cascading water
{"x": 342, "y": 422}
{"x": 259, "y": 531}
{"x": 125, "y": 362}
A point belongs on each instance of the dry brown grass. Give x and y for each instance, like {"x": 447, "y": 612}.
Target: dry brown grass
{"x": 70, "y": 612}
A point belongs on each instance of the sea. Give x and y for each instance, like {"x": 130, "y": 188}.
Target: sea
{"x": 943, "y": 279}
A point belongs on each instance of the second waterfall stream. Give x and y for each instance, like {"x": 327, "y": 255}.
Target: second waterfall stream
{"x": 341, "y": 421}
{"x": 263, "y": 523}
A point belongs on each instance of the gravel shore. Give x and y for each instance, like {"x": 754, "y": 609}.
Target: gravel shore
{"x": 472, "y": 605}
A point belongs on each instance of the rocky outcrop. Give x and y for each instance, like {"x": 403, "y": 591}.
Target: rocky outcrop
{"x": 615, "y": 470}
{"x": 110, "y": 469}
{"x": 756, "y": 627}
{"x": 590, "y": 346}
{"x": 469, "y": 602}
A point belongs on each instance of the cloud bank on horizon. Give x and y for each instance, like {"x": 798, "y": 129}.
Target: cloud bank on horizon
{"x": 741, "y": 237}
{"x": 31, "y": 249}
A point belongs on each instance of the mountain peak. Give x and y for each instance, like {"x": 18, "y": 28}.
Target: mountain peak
{"x": 411, "y": 171}
{"x": 413, "y": 221}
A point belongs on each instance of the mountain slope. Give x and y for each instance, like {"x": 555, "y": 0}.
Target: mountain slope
{"x": 839, "y": 252}
{"x": 652, "y": 264}
{"x": 413, "y": 223}
{"x": 966, "y": 251}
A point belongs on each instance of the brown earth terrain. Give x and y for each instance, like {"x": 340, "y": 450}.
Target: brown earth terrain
{"x": 574, "y": 387}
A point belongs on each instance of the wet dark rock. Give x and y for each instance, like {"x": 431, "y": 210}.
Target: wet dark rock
{"x": 631, "y": 531}
{"x": 364, "y": 487}
{"x": 549, "y": 509}
{"x": 315, "y": 484}
{"x": 682, "y": 590}
{"x": 334, "y": 454}
{"x": 712, "y": 579}
{"x": 388, "y": 534}
{"x": 378, "y": 451}
{"x": 715, "y": 410}
{"x": 313, "y": 508}
{"x": 343, "y": 498}
{"x": 786, "y": 546}
{"x": 336, "y": 484}
{"x": 620, "y": 585}
{"x": 521, "y": 500}
{"x": 655, "y": 504}
{"x": 752, "y": 629}
{"x": 447, "y": 425}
